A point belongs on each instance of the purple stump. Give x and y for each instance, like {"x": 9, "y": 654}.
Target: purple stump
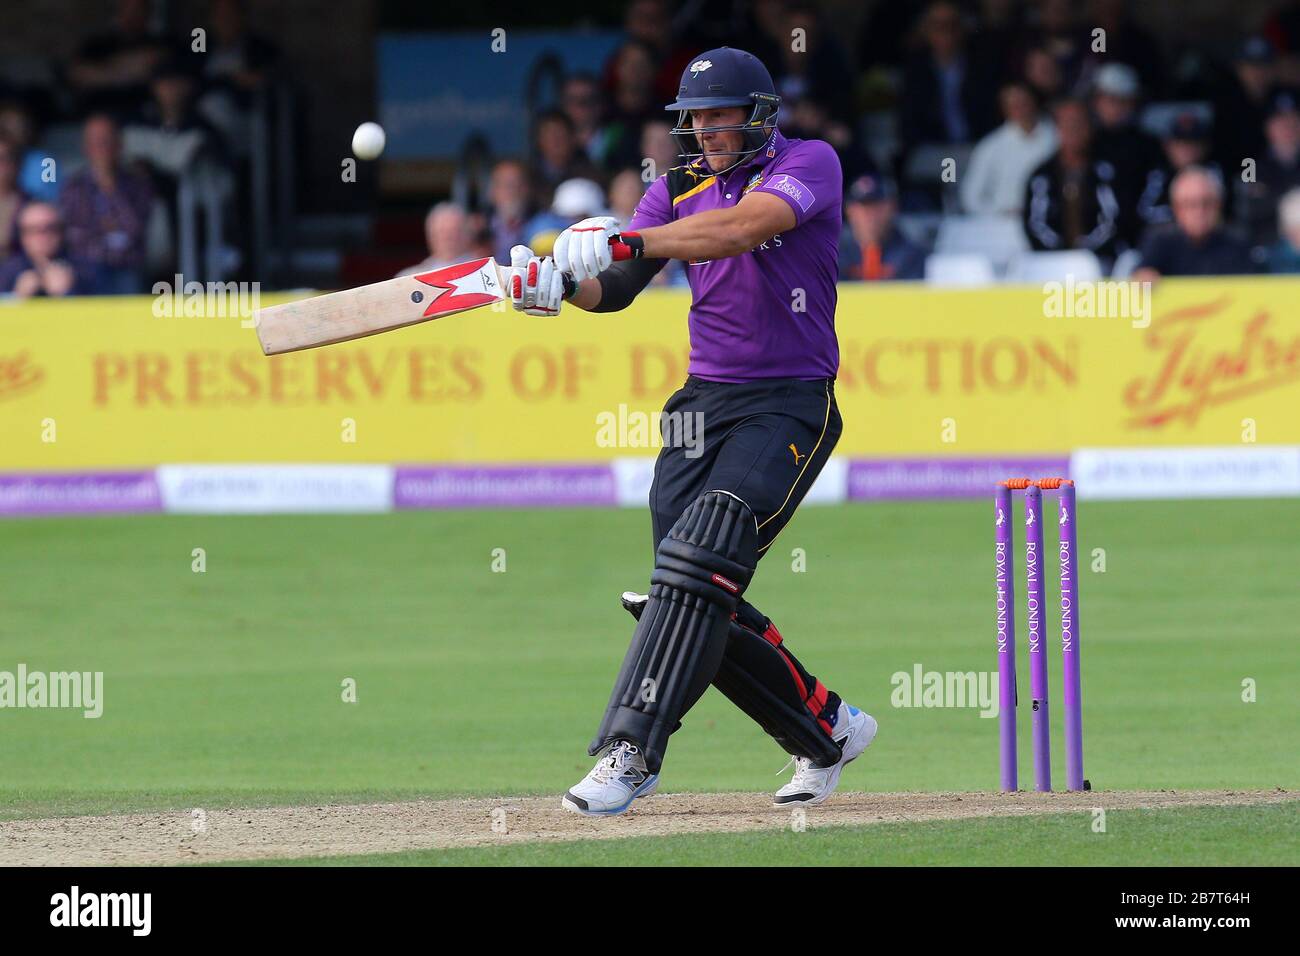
{"x": 1035, "y": 589}
{"x": 1004, "y": 561}
{"x": 1072, "y": 696}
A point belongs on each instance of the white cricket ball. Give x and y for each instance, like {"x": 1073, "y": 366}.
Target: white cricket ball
{"x": 368, "y": 141}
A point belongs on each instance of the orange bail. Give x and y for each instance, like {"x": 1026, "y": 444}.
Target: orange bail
{"x": 1047, "y": 484}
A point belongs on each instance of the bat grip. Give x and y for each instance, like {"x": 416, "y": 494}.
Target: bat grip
{"x": 626, "y": 245}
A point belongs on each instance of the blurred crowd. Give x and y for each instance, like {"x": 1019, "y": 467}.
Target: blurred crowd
{"x": 985, "y": 130}
{"x": 145, "y": 108}
{"x": 1010, "y": 122}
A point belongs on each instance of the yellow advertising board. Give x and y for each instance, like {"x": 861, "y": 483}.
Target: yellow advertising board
{"x": 104, "y": 383}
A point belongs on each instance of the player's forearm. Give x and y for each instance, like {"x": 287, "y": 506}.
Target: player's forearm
{"x": 715, "y": 234}
{"x": 588, "y": 295}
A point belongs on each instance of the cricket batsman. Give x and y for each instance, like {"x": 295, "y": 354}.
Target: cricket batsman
{"x": 756, "y": 217}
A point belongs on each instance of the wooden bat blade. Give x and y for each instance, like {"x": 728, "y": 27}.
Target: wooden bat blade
{"x": 380, "y": 307}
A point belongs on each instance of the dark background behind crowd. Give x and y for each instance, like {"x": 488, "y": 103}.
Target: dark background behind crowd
{"x": 981, "y": 141}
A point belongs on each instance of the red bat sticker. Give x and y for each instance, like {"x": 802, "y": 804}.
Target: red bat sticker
{"x": 466, "y": 285}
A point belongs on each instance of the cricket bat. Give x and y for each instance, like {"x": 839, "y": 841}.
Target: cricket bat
{"x": 381, "y": 306}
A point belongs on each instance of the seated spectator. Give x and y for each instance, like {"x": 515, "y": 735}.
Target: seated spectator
{"x": 1277, "y": 171}
{"x": 625, "y": 191}
{"x": 1187, "y": 144}
{"x": 658, "y": 146}
{"x": 1127, "y": 44}
{"x": 1285, "y": 255}
{"x": 1002, "y": 35}
{"x": 809, "y": 119}
{"x": 1043, "y": 75}
{"x": 883, "y": 34}
{"x": 575, "y": 199}
{"x": 872, "y": 249}
{"x": 171, "y": 104}
{"x": 948, "y": 95}
{"x": 175, "y": 134}
{"x": 556, "y": 156}
{"x": 106, "y": 209}
{"x": 650, "y": 23}
{"x": 1241, "y": 103}
{"x": 1282, "y": 28}
{"x": 1133, "y": 153}
{"x": 41, "y": 265}
{"x": 1196, "y": 244}
{"x": 11, "y": 198}
{"x": 631, "y": 105}
{"x": 482, "y": 242}
{"x": 816, "y": 70}
{"x": 583, "y": 103}
{"x": 35, "y": 178}
{"x": 1003, "y": 161}
{"x": 1065, "y": 37}
{"x": 1070, "y": 201}
{"x": 111, "y": 71}
{"x": 448, "y": 237}
{"x": 238, "y": 60}
{"x": 238, "y": 67}
{"x": 510, "y": 199}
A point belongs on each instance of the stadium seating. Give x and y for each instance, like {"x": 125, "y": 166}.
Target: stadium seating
{"x": 959, "y": 269}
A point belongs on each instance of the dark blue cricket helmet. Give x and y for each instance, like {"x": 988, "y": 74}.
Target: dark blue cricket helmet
{"x": 718, "y": 79}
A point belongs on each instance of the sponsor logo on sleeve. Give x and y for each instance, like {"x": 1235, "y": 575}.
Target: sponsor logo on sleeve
{"x": 801, "y": 194}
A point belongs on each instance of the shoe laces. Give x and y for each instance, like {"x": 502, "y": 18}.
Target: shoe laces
{"x": 614, "y": 763}
{"x": 802, "y": 768}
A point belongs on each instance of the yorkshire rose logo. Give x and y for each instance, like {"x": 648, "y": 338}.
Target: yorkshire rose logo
{"x": 1192, "y": 375}
{"x": 18, "y": 375}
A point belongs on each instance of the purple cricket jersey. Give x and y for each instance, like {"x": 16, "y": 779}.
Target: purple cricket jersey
{"x": 769, "y": 312}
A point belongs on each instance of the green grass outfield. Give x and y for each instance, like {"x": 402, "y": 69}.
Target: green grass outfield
{"x": 1186, "y": 836}
{"x": 225, "y": 687}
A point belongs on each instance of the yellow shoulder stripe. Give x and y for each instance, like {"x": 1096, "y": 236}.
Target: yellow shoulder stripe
{"x": 702, "y": 185}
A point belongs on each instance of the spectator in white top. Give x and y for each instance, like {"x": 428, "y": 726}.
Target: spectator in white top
{"x": 575, "y": 200}
{"x": 1002, "y": 162}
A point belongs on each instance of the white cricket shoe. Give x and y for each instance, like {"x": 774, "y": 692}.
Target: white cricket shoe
{"x": 854, "y": 731}
{"x": 619, "y": 777}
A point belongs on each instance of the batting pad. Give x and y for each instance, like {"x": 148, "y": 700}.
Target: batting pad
{"x": 701, "y": 569}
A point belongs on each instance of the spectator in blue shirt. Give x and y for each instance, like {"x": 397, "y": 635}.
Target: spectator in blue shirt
{"x": 106, "y": 208}
{"x": 36, "y": 178}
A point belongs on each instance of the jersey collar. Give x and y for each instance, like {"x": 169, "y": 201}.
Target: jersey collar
{"x": 770, "y": 151}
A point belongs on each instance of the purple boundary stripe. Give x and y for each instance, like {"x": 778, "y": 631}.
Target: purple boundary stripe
{"x": 79, "y": 493}
{"x": 504, "y": 486}
{"x": 895, "y": 479}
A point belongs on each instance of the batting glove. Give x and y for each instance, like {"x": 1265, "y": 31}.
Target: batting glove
{"x": 537, "y": 287}
{"x": 588, "y": 248}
